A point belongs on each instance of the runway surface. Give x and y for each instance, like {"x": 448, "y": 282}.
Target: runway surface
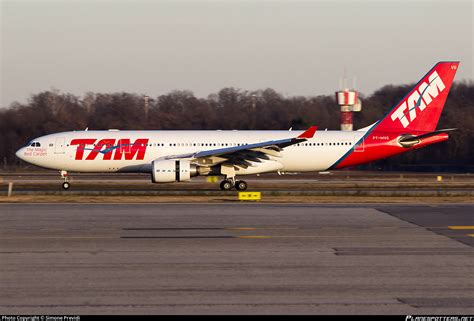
{"x": 236, "y": 258}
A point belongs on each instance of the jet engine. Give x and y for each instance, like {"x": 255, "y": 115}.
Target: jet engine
{"x": 172, "y": 170}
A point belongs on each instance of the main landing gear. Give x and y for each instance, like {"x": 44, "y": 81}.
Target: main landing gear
{"x": 229, "y": 183}
{"x": 66, "y": 185}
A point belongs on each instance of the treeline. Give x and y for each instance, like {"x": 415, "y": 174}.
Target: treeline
{"x": 52, "y": 111}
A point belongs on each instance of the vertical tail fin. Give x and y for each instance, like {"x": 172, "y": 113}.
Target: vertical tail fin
{"x": 420, "y": 109}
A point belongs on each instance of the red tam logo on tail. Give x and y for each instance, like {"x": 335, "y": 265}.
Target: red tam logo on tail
{"x": 421, "y": 97}
{"x": 420, "y": 109}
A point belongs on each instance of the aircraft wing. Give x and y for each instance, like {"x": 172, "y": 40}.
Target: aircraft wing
{"x": 244, "y": 154}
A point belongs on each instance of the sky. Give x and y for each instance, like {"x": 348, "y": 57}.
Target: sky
{"x": 295, "y": 47}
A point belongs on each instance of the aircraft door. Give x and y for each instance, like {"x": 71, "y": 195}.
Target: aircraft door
{"x": 358, "y": 144}
{"x": 60, "y": 145}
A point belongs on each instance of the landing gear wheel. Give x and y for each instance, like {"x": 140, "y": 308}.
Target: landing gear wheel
{"x": 241, "y": 185}
{"x": 65, "y": 176}
{"x": 226, "y": 185}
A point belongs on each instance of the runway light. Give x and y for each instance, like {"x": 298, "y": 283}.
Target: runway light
{"x": 439, "y": 178}
{"x": 250, "y": 196}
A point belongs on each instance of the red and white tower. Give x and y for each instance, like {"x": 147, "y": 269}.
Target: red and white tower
{"x": 349, "y": 102}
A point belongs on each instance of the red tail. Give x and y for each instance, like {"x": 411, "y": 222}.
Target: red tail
{"x": 421, "y": 108}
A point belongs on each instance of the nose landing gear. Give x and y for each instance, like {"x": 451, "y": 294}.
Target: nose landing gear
{"x": 66, "y": 185}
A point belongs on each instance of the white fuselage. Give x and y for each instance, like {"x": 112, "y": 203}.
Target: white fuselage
{"x": 101, "y": 152}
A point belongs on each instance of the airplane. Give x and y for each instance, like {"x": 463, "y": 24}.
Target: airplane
{"x": 179, "y": 155}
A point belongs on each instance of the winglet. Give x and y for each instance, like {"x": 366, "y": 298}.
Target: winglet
{"x": 309, "y": 133}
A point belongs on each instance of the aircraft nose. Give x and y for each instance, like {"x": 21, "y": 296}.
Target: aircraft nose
{"x": 20, "y": 153}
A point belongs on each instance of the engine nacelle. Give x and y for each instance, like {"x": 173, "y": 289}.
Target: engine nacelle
{"x": 172, "y": 170}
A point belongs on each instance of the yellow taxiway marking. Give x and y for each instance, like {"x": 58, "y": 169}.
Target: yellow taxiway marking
{"x": 467, "y": 227}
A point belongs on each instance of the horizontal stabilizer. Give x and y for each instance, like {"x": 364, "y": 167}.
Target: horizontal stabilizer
{"x": 410, "y": 140}
{"x": 436, "y": 132}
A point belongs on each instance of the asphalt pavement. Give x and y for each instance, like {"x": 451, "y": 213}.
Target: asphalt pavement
{"x": 234, "y": 258}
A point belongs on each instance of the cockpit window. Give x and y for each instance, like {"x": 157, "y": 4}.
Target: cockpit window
{"x": 35, "y": 144}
